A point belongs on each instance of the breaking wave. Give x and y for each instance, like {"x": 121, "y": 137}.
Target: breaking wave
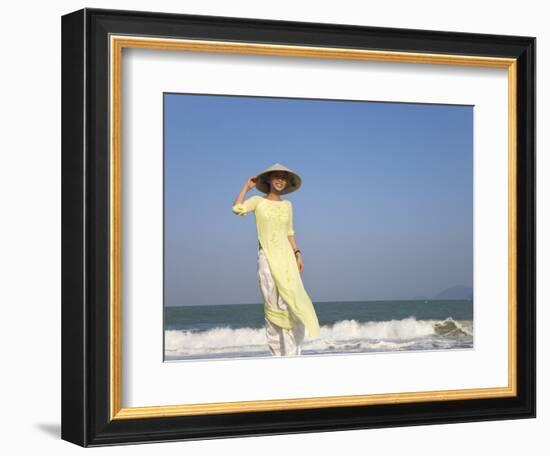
{"x": 342, "y": 336}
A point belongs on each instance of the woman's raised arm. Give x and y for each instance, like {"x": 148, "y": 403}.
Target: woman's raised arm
{"x": 241, "y": 206}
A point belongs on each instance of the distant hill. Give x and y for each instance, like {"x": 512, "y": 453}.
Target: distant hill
{"x": 456, "y": 292}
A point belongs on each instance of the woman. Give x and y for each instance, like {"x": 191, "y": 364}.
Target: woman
{"x": 289, "y": 312}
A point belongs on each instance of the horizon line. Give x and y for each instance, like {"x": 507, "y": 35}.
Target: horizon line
{"x": 323, "y": 302}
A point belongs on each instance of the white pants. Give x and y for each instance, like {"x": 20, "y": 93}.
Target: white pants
{"x": 281, "y": 341}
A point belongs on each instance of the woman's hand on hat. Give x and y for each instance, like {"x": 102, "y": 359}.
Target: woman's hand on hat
{"x": 250, "y": 183}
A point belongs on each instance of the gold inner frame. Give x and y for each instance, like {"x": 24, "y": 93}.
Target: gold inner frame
{"x": 116, "y": 45}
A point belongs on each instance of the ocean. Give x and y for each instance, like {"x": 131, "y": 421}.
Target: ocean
{"x": 238, "y": 330}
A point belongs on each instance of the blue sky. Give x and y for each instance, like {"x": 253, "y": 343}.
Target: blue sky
{"x": 385, "y": 209}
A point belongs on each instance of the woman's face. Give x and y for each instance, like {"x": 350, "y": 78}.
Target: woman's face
{"x": 278, "y": 181}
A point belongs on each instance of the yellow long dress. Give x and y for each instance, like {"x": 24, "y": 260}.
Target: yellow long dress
{"x": 274, "y": 224}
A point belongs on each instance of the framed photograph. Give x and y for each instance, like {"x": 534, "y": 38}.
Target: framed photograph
{"x": 276, "y": 227}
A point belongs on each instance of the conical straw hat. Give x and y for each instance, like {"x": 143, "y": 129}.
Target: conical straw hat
{"x": 293, "y": 183}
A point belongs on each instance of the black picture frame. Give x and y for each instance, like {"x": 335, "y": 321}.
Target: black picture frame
{"x": 86, "y": 390}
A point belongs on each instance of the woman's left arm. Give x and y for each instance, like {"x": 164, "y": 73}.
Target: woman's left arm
{"x": 292, "y": 240}
{"x": 298, "y": 255}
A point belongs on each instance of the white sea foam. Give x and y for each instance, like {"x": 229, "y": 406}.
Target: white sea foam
{"x": 343, "y": 336}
